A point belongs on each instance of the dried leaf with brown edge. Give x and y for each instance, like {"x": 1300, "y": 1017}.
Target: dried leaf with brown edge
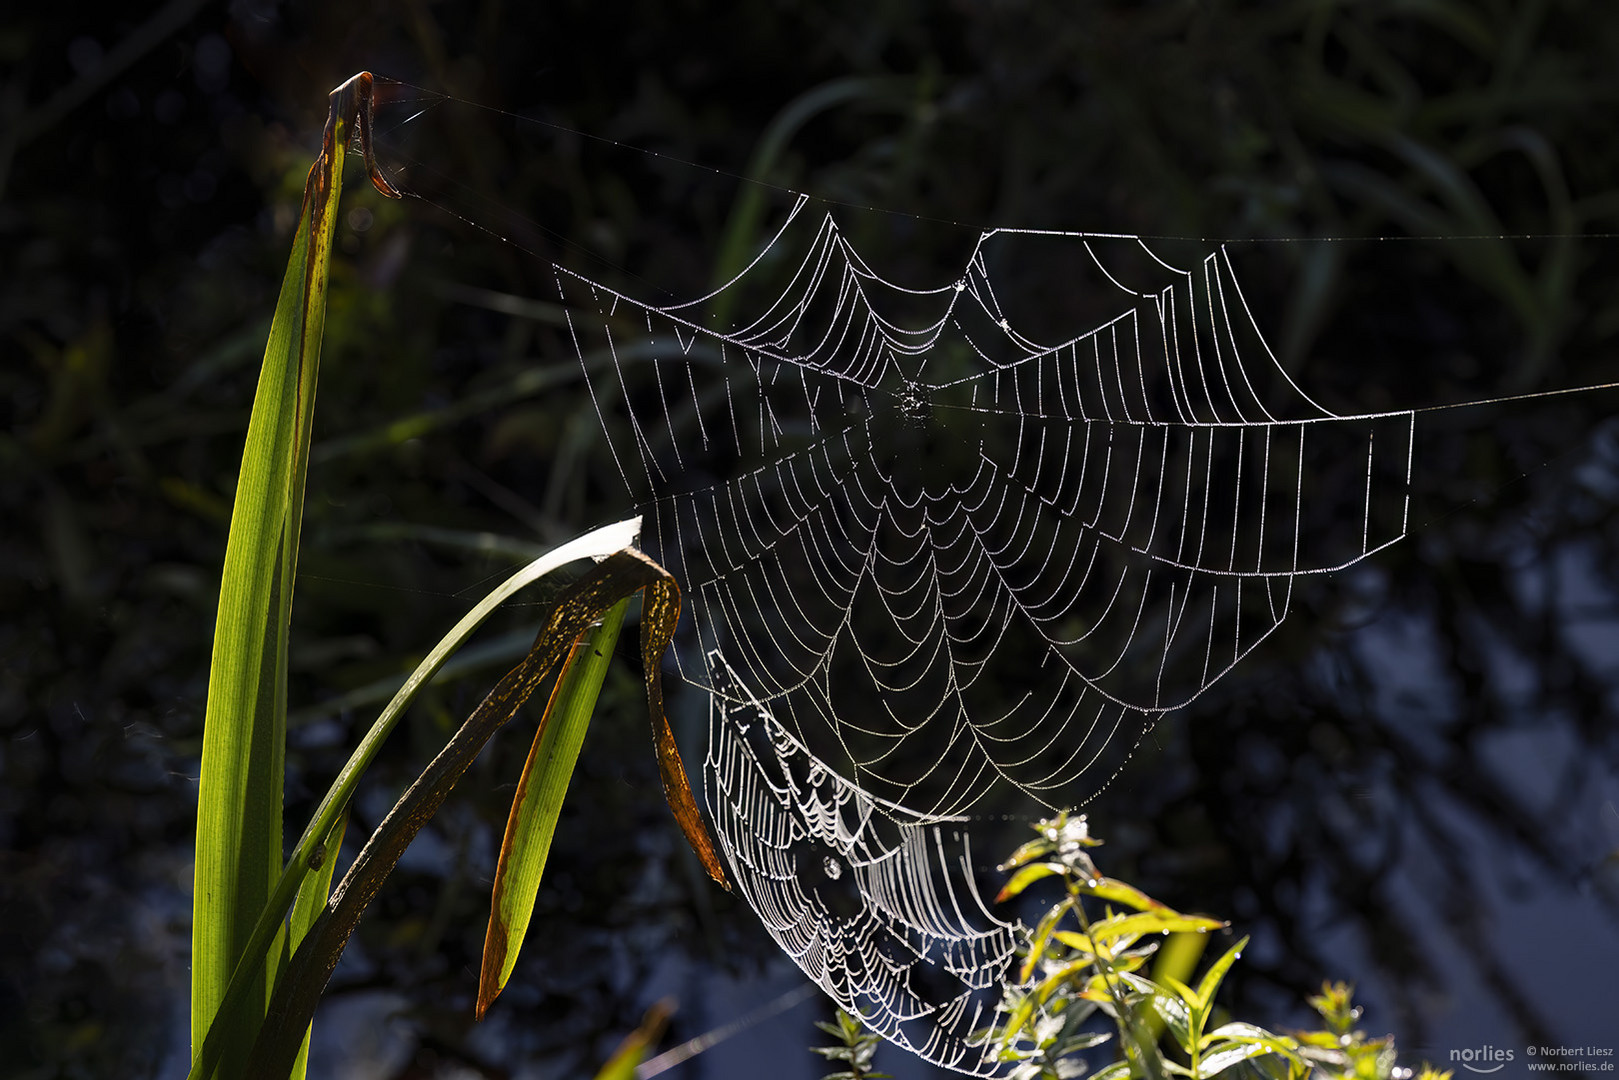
{"x": 660, "y": 611}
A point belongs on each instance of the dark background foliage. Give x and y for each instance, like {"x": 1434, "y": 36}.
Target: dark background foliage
{"x": 1413, "y": 785}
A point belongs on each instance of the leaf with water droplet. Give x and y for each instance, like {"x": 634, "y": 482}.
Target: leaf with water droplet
{"x": 1217, "y": 971}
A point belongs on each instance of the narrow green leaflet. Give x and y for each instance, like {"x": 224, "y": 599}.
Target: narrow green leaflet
{"x": 1217, "y": 971}
{"x": 1162, "y": 921}
{"x": 1123, "y": 893}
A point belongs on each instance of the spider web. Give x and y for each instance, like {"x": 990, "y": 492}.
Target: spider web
{"x": 947, "y": 556}
{"x": 928, "y": 551}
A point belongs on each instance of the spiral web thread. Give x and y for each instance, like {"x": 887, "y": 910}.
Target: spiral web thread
{"x": 926, "y": 555}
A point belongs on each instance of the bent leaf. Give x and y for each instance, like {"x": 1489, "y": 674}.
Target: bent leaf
{"x": 566, "y": 618}
{"x": 660, "y": 611}
{"x": 596, "y": 544}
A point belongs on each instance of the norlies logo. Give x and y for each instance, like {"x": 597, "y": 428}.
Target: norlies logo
{"x": 1481, "y": 1059}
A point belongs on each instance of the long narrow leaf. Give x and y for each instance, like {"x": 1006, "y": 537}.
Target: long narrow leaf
{"x": 1162, "y": 921}
{"x": 538, "y": 803}
{"x": 244, "y": 730}
{"x": 238, "y": 849}
{"x": 660, "y": 613}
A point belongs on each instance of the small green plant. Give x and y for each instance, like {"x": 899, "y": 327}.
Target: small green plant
{"x": 854, "y": 1048}
{"x": 1088, "y": 956}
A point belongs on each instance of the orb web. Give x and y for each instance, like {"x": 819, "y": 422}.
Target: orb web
{"x": 947, "y": 556}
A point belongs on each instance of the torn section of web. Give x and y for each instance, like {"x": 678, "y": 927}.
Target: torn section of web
{"x": 878, "y": 907}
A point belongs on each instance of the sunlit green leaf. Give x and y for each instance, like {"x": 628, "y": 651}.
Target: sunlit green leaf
{"x": 1124, "y": 893}
{"x": 538, "y": 802}
{"x": 1157, "y": 921}
{"x": 1038, "y": 939}
{"x": 1223, "y": 1059}
{"x": 1176, "y": 1017}
{"x": 1026, "y": 877}
{"x": 1192, "y": 998}
{"x": 239, "y": 842}
{"x": 1217, "y": 971}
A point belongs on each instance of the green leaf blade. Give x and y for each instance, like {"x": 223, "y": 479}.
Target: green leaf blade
{"x": 538, "y": 802}
{"x": 1025, "y": 877}
{"x": 238, "y": 851}
{"x": 1217, "y": 971}
{"x": 239, "y": 798}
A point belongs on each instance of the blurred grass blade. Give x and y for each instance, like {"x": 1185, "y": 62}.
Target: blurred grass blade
{"x": 633, "y": 1050}
{"x": 313, "y": 849}
{"x": 238, "y": 851}
{"x": 538, "y": 802}
{"x": 743, "y": 226}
